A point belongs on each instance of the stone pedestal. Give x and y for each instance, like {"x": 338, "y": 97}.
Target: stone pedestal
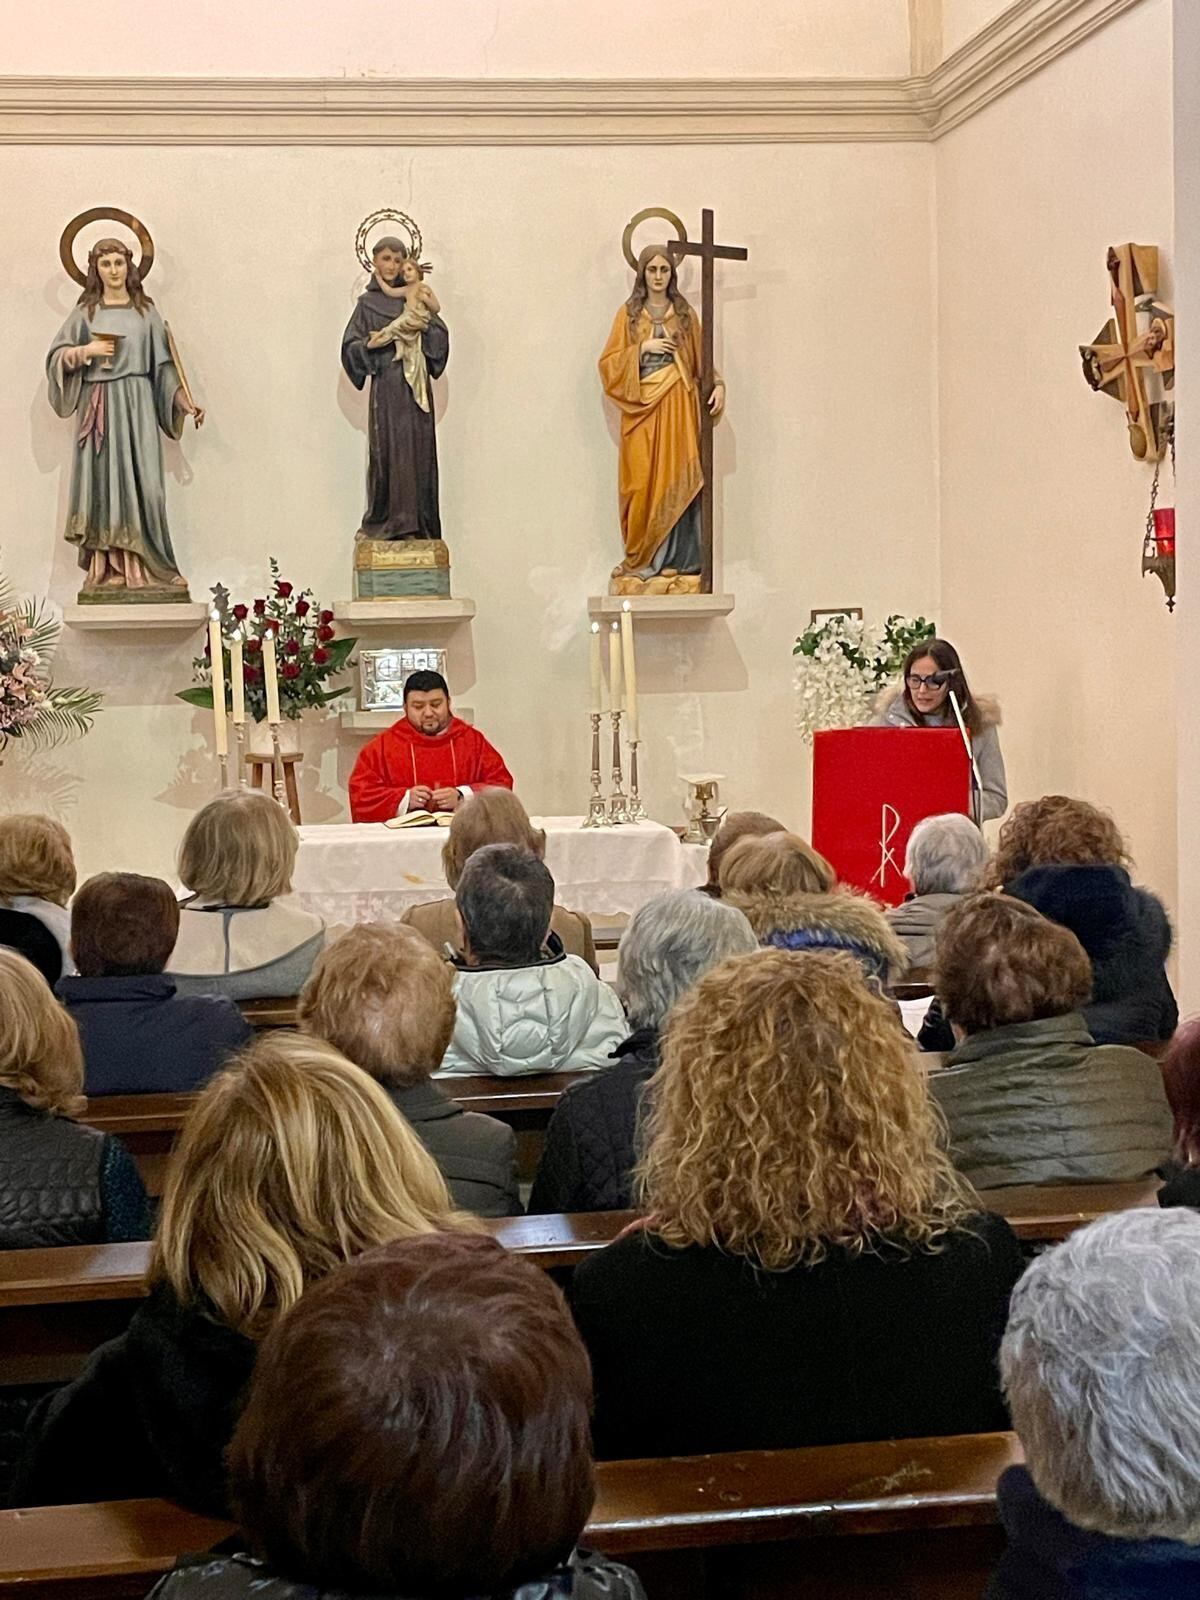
{"x": 396, "y": 569}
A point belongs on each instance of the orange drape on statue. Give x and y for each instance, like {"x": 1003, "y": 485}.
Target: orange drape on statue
{"x": 659, "y": 474}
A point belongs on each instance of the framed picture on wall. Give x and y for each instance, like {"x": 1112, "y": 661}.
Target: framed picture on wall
{"x": 818, "y": 618}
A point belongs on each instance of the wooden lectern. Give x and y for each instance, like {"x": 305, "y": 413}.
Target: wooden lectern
{"x": 871, "y": 786}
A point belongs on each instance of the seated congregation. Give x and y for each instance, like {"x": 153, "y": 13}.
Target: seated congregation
{"x": 806, "y": 1183}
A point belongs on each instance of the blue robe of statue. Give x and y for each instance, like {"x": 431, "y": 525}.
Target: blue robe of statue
{"x": 118, "y": 494}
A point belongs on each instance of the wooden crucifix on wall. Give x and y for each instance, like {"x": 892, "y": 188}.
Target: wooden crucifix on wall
{"x": 657, "y": 368}
{"x": 1133, "y": 356}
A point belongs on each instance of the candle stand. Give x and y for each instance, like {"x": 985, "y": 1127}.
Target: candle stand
{"x": 597, "y": 812}
{"x": 618, "y": 810}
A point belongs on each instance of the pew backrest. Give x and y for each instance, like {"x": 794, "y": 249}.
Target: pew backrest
{"x": 642, "y": 1508}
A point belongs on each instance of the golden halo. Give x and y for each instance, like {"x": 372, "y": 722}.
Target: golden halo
{"x": 407, "y": 225}
{"x": 643, "y": 216}
{"x": 66, "y": 245}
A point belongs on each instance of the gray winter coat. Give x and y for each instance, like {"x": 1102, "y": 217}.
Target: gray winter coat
{"x": 1041, "y": 1102}
{"x": 915, "y": 923}
{"x": 892, "y": 712}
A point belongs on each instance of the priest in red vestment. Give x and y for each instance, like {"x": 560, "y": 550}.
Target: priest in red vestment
{"x": 425, "y": 762}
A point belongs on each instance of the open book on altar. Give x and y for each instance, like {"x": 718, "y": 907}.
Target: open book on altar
{"x": 420, "y": 819}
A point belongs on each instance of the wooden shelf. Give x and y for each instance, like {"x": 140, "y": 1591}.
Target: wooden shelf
{"x": 134, "y": 618}
{"x": 698, "y": 607}
{"x": 388, "y": 612}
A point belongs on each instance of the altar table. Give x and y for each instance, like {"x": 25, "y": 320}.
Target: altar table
{"x": 364, "y": 872}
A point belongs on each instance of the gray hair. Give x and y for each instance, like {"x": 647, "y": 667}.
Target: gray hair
{"x": 505, "y": 898}
{"x": 1101, "y": 1367}
{"x": 670, "y": 943}
{"x": 946, "y": 855}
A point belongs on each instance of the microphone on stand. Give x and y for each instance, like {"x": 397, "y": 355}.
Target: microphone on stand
{"x": 976, "y": 780}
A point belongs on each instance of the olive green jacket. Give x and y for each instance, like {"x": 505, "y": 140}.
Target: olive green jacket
{"x": 1041, "y": 1102}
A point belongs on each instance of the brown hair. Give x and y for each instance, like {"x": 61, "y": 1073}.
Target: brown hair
{"x": 123, "y": 925}
{"x": 40, "y": 1056}
{"x": 385, "y": 999}
{"x": 418, "y": 1424}
{"x": 291, "y": 1161}
{"x": 639, "y": 294}
{"x": 946, "y": 656}
{"x": 788, "y": 1117}
{"x": 775, "y": 864}
{"x": 35, "y": 858}
{"x": 1181, "y": 1077}
{"x": 489, "y": 816}
{"x": 1000, "y": 962}
{"x": 1055, "y": 831}
{"x": 239, "y": 849}
{"x": 737, "y": 825}
{"x": 93, "y": 288}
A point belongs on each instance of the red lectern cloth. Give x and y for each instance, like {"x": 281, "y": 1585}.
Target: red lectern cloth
{"x": 871, "y": 786}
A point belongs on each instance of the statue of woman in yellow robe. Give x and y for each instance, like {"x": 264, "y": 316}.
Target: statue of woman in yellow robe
{"x": 651, "y": 370}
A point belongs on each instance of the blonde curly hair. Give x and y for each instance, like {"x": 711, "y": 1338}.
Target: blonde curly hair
{"x": 1055, "y": 831}
{"x": 789, "y": 1118}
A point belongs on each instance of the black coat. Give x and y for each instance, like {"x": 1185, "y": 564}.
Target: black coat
{"x": 477, "y": 1155}
{"x": 1127, "y": 936}
{"x": 140, "y": 1037}
{"x": 240, "y": 1577}
{"x": 591, "y": 1143}
{"x": 1047, "y": 1556}
{"x": 695, "y": 1350}
{"x": 150, "y": 1415}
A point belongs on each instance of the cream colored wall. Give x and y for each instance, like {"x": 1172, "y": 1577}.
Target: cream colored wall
{"x": 826, "y": 461}
{"x": 1042, "y": 504}
{"x": 1187, "y": 620}
{"x": 962, "y": 20}
{"x": 469, "y": 38}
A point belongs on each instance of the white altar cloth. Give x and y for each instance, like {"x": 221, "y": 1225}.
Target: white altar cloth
{"x": 363, "y": 872}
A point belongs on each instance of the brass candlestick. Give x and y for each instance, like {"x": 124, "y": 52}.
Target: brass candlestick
{"x": 636, "y": 811}
{"x": 597, "y": 812}
{"x": 277, "y": 766}
{"x": 618, "y": 810}
{"x": 239, "y": 733}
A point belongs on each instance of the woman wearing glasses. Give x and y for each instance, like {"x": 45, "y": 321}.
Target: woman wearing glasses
{"x": 931, "y": 670}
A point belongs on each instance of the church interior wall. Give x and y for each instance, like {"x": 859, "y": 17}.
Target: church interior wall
{"x": 961, "y": 20}
{"x": 484, "y": 38}
{"x": 825, "y": 460}
{"x": 1042, "y": 503}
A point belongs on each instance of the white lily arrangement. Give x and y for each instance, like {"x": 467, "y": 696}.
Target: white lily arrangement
{"x": 841, "y": 666}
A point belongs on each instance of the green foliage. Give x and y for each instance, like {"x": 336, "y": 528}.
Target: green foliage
{"x": 31, "y": 708}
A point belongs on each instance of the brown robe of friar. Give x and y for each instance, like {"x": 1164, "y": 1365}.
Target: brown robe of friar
{"x": 402, "y": 470}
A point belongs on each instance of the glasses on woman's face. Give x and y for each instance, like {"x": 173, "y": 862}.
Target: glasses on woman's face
{"x": 932, "y": 680}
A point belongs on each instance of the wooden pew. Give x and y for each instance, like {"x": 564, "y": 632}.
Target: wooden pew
{"x": 149, "y": 1124}
{"x": 57, "y": 1305}
{"x": 898, "y": 1519}
{"x": 1044, "y": 1213}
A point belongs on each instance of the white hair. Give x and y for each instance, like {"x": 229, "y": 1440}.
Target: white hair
{"x": 1101, "y": 1367}
{"x": 670, "y": 943}
{"x": 946, "y": 855}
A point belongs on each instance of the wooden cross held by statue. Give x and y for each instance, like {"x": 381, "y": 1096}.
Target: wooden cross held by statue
{"x": 708, "y": 251}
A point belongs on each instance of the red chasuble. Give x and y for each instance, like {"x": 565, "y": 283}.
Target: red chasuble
{"x": 401, "y": 758}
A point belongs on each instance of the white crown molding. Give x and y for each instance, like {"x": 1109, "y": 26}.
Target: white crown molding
{"x": 314, "y": 111}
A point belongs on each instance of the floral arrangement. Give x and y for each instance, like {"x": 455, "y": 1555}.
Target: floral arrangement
{"x": 307, "y": 653}
{"x": 841, "y": 666}
{"x": 31, "y": 708}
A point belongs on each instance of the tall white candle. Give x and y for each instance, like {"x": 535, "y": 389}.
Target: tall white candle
{"x": 237, "y": 678}
{"x": 597, "y": 670}
{"x": 614, "y": 665}
{"x": 216, "y": 653}
{"x": 270, "y": 676}
{"x": 631, "y": 700}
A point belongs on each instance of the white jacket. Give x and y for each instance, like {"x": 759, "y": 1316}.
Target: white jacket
{"x": 551, "y": 1017}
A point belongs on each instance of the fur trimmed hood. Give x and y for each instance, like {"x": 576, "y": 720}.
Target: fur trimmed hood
{"x": 890, "y": 708}
{"x": 840, "y": 917}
